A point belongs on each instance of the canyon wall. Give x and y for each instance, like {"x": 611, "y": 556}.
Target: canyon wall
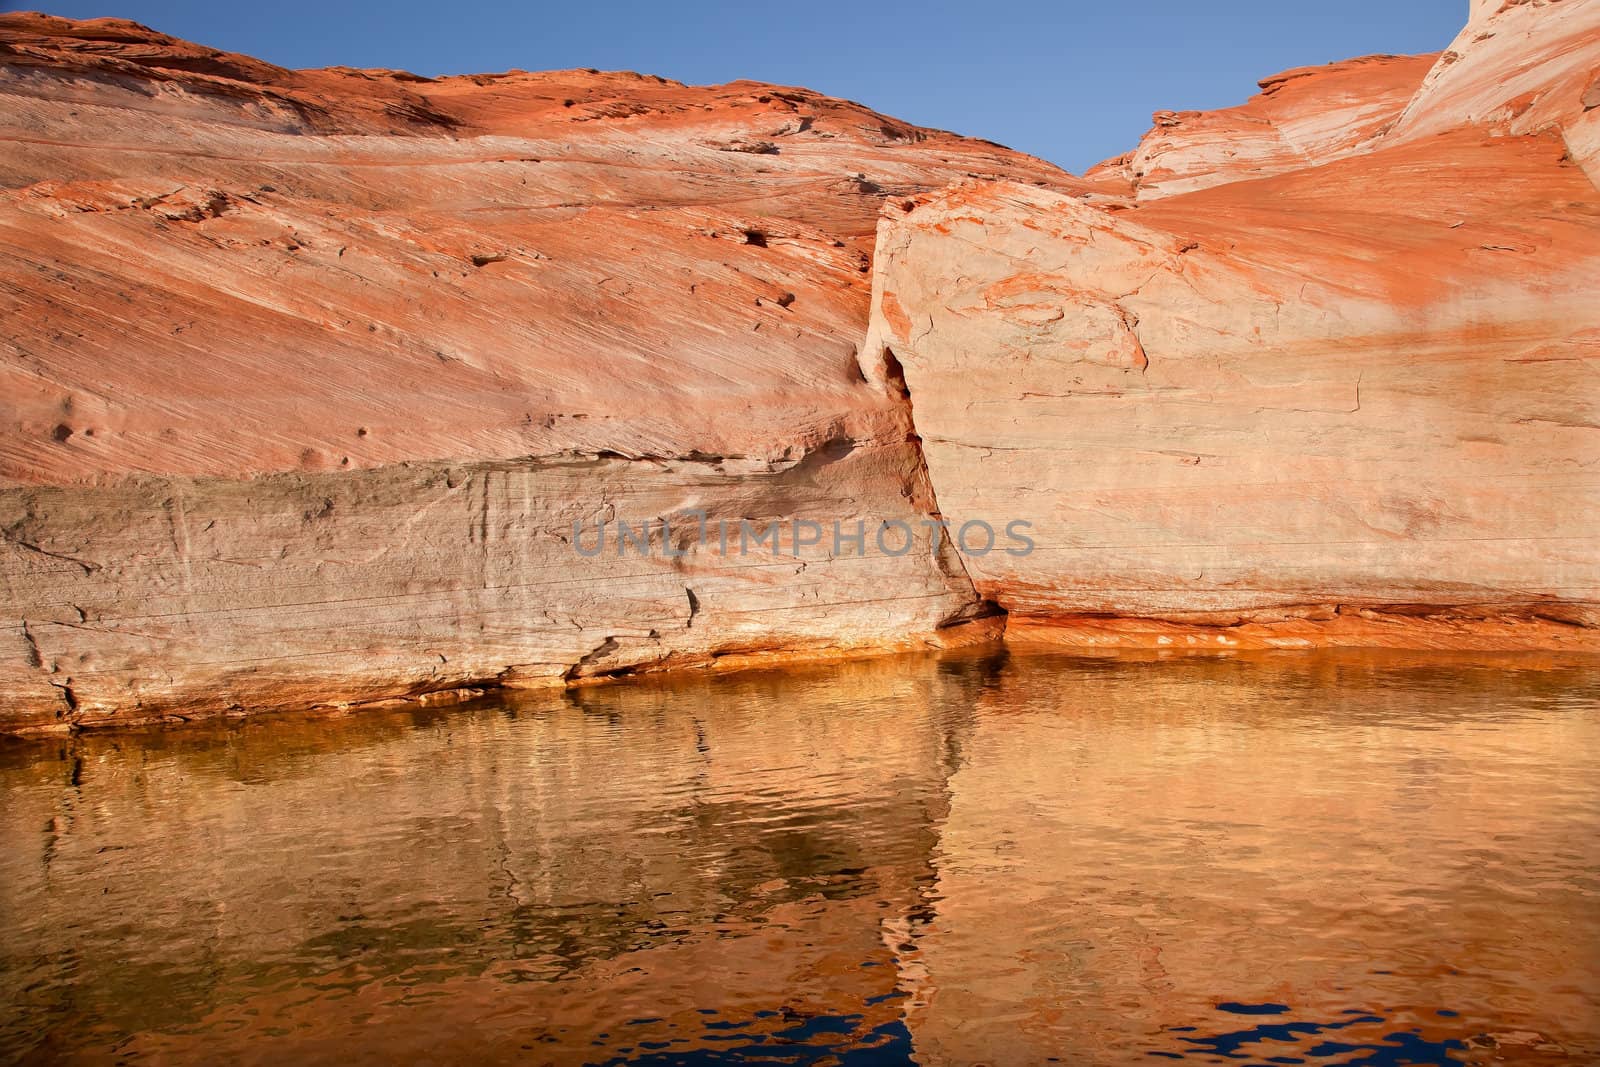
{"x": 1259, "y": 404}
{"x": 313, "y": 382}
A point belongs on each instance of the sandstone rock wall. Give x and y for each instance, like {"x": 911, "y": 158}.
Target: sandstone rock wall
{"x": 1349, "y": 402}
{"x": 1520, "y": 67}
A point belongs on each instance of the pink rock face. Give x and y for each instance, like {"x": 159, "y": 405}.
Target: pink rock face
{"x": 1352, "y": 402}
{"x": 1519, "y": 67}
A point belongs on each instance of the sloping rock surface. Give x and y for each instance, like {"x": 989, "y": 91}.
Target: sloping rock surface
{"x": 220, "y": 267}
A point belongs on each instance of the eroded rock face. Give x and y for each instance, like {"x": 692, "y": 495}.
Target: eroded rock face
{"x": 1302, "y": 116}
{"x": 1520, "y": 67}
{"x": 308, "y": 374}
{"x": 1352, "y": 402}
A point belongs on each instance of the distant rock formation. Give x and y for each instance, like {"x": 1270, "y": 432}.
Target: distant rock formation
{"x": 1302, "y": 117}
{"x": 312, "y": 378}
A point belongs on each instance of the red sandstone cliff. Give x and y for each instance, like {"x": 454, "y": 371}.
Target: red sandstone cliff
{"x": 1302, "y": 117}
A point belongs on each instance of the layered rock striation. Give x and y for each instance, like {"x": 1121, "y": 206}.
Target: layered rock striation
{"x": 1301, "y": 117}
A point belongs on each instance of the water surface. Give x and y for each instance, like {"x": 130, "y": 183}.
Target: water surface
{"x": 975, "y": 858}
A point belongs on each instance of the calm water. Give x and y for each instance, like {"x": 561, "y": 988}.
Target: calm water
{"x": 971, "y": 859}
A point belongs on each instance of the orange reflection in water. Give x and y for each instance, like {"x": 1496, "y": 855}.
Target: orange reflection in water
{"x": 974, "y": 858}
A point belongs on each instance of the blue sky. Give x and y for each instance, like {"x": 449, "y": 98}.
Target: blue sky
{"x": 1073, "y": 82}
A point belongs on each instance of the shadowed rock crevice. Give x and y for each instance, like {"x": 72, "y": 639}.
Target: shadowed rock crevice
{"x": 948, "y": 556}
